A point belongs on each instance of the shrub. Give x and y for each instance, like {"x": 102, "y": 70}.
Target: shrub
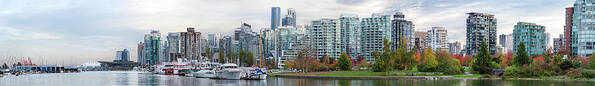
{"x": 512, "y": 72}
{"x": 586, "y": 73}
{"x": 429, "y": 63}
{"x": 447, "y": 64}
{"x": 569, "y": 64}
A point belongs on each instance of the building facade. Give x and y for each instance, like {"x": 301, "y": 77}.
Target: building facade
{"x": 567, "y": 40}
{"x": 402, "y": 28}
{"x": 350, "y": 35}
{"x": 420, "y": 40}
{"x": 557, "y": 47}
{"x": 326, "y": 37}
{"x": 140, "y": 53}
{"x": 481, "y": 27}
{"x": 151, "y": 48}
{"x": 275, "y": 17}
{"x": 437, "y": 39}
{"x": 532, "y": 35}
{"x": 290, "y": 18}
{"x": 173, "y": 51}
{"x": 374, "y": 30}
{"x": 506, "y": 42}
{"x": 190, "y": 44}
{"x": 454, "y": 47}
{"x": 122, "y": 56}
{"x": 583, "y": 28}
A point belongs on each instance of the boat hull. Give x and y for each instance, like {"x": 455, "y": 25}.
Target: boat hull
{"x": 229, "y": 75}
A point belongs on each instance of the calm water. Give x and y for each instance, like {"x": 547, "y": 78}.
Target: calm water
{"x": 138, "y": 78}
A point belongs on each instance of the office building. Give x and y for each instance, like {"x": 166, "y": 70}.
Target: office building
{"x": 275, "y": 17}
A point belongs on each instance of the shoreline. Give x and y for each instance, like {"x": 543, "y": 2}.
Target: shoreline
{"x": 449, "y": 77}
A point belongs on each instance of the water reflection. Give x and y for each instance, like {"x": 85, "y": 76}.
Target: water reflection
{"x": 138, "y": 78}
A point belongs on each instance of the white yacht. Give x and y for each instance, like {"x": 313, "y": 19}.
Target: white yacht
{"x": 228, "y": 71}
{"x": 205, "y": 70}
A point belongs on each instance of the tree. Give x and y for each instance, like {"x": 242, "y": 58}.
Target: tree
{"x": 447, "y": 64}
{"x": 246, "y": 58}
{"x": 231, "y": 57}
{"x": 483, "y": 61}
{"x": 429, "y": 63}
{"x": 547, "y": 56}
{"x": 384, "y": 60}
{"x": 221, "y": 56}
{"x": 363, "y": 64}
{"x": 208, "y": 53}
{"x": 405, "y": 59}
{"x": 591, "y": 61}
{"x": 522, "y": 57}
{"x": 344, "y": 62}
{"x": 557, "y": 59}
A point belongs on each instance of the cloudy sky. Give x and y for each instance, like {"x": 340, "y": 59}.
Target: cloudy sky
{"x": 78, "y": 31}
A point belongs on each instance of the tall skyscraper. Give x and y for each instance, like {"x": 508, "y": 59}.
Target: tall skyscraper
{"x": 122, "y": 56}
{"x": 567, "y": 40}
{"x": 437, "y": 39}
{"x": 350, "y": 35}
{"x": 402, "y": 28}
{"x": 289, "y": 19}
{"x": 213, "y": 42}
{"x": 454, "y": 47}
{"x": 245, "y": 39}
{"x": 173, "y": 46}
{"x": 140, "y": 51}
{"x": 481, "y": 27}
{"x": 374, "y": 30}
{"x": 583, "y": 28}
{"x": 275, "y": 17}
{"x": 326, "y": 37}
{"x": 506, "y": 42}
{"x": 532, "y": 35}
{"x": 190, "y": 44}
{"x": 152, "y": 47}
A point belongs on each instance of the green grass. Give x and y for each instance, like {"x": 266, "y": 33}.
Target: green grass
{"x": 468, "y": 76}
{"x": 371, "y": 73}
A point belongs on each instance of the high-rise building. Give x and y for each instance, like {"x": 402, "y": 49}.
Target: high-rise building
{"x": 402, "y": 28}
{"x": 437, "y": 39}
{"x": 567, "y": 40}
{"x": 532, "y": 35}
{"x": 275, "y": 17}
{"x": 481, "y": 27}
{"x": 122, "y": 56}
{"x": 289, "y": 19}
{"x": 558, "y": 44}
{"x": 291, "y": 42}
{"x": 190, "y": 44}
{"x": 213, "y": 42}
{"x": 583, "y": 28}
{"x": 173, "y": 46}
{"x": 326, "y": 37}
{"x": 225, "y": 45}
{"x": 454, "y": 47}
{"x": 151, "y": 48}
{"x": 350, "y": 35}
{"x": 374, "y": 30}
{"x": 245, "y": 39}
{"x": 420, "y": 40}
{"x": 140, "y": 51}
{"x": 547, "y": 40}
{"x": 506, "y": 42}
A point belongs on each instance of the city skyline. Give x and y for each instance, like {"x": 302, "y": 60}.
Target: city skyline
{"x": 58, "y": 32}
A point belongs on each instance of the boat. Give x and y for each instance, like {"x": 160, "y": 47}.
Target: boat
{"x": 205, "y": 70}
{"x": 228, "y": 71}
{"x": 254, "y": 74}
{"x": 174, "y": 68}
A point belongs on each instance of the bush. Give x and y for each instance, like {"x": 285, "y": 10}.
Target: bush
{"x": 512, "y": 72}
{"x": 429, "y": 63}
{"x": 586, "y": 73}
{"x": 569, "y": 64}
{"x": 447, "y": 64}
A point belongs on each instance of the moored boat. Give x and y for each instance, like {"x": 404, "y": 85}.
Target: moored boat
{"x": 228, "y": 71}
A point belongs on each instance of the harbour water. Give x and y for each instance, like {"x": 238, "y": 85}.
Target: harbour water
{"x": 130, "y": 78}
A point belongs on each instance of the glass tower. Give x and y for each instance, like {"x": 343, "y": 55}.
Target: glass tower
{"x": 532, "y": 35}
{"x": 583, "y": 28}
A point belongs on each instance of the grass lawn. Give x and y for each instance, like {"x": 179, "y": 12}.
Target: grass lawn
{"x": 371, "y": 73}
{"x": 468, "y": 76}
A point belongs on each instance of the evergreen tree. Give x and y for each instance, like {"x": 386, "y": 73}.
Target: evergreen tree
{"x": 344, "y": 62}
{"x": 522, "y": 57}
{"x": 221, "y": 56}
{"x": 483, "y": 61}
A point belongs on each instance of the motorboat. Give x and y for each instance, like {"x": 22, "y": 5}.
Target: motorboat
{"x": 228, "y": 71}
{"x": 205, "y": 70}
{"x": 254, "y": 74}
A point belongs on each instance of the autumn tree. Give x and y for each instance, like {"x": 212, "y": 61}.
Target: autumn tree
{"x": 404, "y": 59}
{"x": 383, "y": 60}
{"x": 429, "y": 63}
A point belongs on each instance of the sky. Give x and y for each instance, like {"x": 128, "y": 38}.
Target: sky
{"x": 73, "y": 32}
